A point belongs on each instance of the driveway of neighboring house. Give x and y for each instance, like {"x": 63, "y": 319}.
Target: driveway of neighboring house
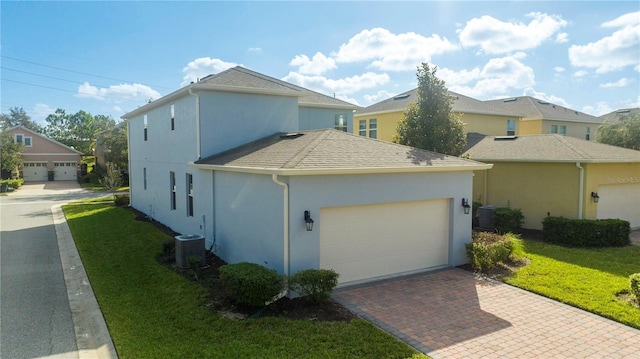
{"x": 453, "y": 314}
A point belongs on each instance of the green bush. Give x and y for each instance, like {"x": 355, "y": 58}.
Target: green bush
{"x": 586, "y": 232}
{"x": 508, "y": 220}
{"x": 122, "y": 200}
{"x": 169, "y": 247}
{"x": 317, "y": 284}
{"x": 251, "y": 284}
{"x": 475, "y": 214}
{"x": 13, "y": 183}
{"x": 487, "y": 249}
{"x": 634, "y": 285}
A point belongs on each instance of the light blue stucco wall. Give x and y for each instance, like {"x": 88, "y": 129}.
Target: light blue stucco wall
{"x": 230, "y": 120}
{"x": 313, "y": 118}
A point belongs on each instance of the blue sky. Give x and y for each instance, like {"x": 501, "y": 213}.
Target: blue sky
{"x": 111, "y": 57}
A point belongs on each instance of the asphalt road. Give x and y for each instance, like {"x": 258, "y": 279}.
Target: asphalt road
{"x": 35, "y": 319}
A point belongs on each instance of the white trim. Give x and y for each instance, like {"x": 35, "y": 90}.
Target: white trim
{"x": 49, "y": 154}
{"x": 543, "y": 160}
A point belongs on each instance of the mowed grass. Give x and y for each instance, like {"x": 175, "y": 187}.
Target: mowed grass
{"x": 152, "y": 312}
{"x": 585, "y": 278}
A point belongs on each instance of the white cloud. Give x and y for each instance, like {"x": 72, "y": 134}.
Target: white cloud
{"x": 614, "y": 52}
{"x": 377, "y": 97}
{"x": 40, "y": 112}
{"x": 623, "y": 82}
{"x": 497, "y": 37}
{"x": 392, "y": 52}
{"x": 498, "y": 76}
{"x": 254, "y": 49}
{"x": 117, "y": 109}
{"x": 543, "y": 96}
{"x": 345, "y": 86}
{"x": 600, "y": 109}
{"x": 202, "y": 67}
{"x": 562, "y": 37}
{"x": 118, "y": 93}
{"x": 558, "y": 69}
{"x": 318, "y": 65}
{"x": 580, "y": 73}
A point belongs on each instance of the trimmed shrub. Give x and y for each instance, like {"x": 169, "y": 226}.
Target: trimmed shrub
{"x": 169, "y": 247}
{"x": 13, "y": 183}
{"x": 634, "y": 285}
{"x": 487, "y": 249}
{"x": 508, "y": 220}
{"x": 122, "y": 200}
{"x": 251, "y": 284}
{"x": 317, "y": 284}
{"x": 586, "y": 232}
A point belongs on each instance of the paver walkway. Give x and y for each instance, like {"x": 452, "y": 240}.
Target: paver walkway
{"x": 453, "y": 314}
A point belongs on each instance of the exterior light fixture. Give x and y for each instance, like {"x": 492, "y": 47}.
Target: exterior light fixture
{"x": 308, "y": 221}
{"x": 595, "y": 197}
{"x": 466, "y": 206}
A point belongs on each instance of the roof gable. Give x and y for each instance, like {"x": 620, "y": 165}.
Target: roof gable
{"x": 546, "y": 148}
{"x": 333, "y": 151}
{"x": 532, "y": 108}
{"x": 21, "y": 129}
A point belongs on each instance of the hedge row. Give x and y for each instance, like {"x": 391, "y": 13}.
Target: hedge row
{"x": 586, "y": 232}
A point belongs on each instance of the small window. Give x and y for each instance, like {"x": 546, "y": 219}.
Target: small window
{"x": 341, "y": 122}
{"x": 145, "y": 127}
{"x": 173, "y": 116}
{"x": 563, "y": 130}
{"x": 554, "y": 128}
{"x": 511, "y": 127}
{"x": 588, "y": 136}
{"x": 373, "y": 128}
{"x": 27, "y": 141}
{"x": 19, "y": 138}
{"x": 362, "y": 127}
{"x": 144, "y": 177}
{"x": 172, "y": 187}
{"x": 189, "y": 195}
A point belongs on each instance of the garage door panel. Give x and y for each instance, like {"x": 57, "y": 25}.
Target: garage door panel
{"x": 65, "y": 171}
{"x": 362, "y": 242}
{"x": 620, "y": 201}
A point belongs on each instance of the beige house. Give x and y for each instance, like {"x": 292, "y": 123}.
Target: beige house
{"x": 620, "y": 115}
{"x": 380, "y": 120}
{"x": 45, "y": 159}
{"x": 554, "y": 175}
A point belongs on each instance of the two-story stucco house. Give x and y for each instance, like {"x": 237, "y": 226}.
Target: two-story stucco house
{"x": 249, "y": 161}
{"x": 43, "y": 157}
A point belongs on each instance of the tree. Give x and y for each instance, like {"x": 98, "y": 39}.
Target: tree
{"x": 77, "y": 130}
{"x": 10, "y": 153}
{"x": 17, "y": 116}
{"x": 113, "y": 145}
{"x": 429, "y": 123}
{"x": 112, "y": 178}
{"x": 622, "y": 133}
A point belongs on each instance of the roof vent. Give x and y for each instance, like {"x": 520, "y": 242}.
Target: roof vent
{"x": 510, "y": 99}
{"x": 576, "y": 112}
{"x": 505, "y": 138}
{"x": 400, "y": 97}
{"x": 624, "y": 111}
{"x": 543, "y": 102}
{"x": 291, "y": 135}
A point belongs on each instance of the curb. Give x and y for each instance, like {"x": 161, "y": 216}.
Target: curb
{"x": 92, "y": 335}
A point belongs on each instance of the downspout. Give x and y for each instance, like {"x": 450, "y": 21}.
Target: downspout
{"x": 486, "y": 178}
{"x": 274, "y": 177}
{"x": 580, "y": 194}
{"x": 198, "y": 149}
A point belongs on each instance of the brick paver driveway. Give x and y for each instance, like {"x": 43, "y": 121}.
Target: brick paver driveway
{"x": 453, "y": 314}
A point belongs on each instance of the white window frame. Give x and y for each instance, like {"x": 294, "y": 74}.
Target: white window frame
{"x": 173, "y": 116}
{"x": 588, "y": 135}
{"x": 24, "y": 141}
{"x": 511, "y": 130}
{"x": 341, "y": 122}
{"x": 362, "y": 128}
{"x": 189, "y": 178}
{"x": 373, "y": 128}
{"x": 145, "y": 127}
{"x": 172, "y": 189}
{"x": 18, "y": 135}
{"x": 554, "y": 129}
{"x": 562, "y": 129}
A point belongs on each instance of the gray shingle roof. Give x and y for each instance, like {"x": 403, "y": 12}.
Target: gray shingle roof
{"x": 241, "y": 77}
{"x": 620, "y": 114}
{"x": 532, "y": 108}
{"x": 462, "y": 104}
{"x": 547, "y": 148}
{"x": 329, "y": 149}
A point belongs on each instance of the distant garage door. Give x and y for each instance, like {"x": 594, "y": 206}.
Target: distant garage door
{"x": 65, "y": 171}
{"x": 34, "y": 171}
{"x": 365, "y": 242}
{"x": 620, "y": 201}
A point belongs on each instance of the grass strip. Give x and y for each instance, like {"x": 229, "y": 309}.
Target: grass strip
{"x": 152, "y": 312}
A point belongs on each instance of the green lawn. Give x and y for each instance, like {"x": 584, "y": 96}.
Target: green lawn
{"x": 585, "y": 278}
{"x": 152, "y": 312}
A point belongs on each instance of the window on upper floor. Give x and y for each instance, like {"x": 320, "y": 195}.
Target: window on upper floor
{"x": 173, "y": 117}
{"x": 511, "y": 127}
{"x": 189, "y": 195}
{"x": 144, "y": 178}
{"x": 145, "y": 127}
{"x": 373, "y": 128}
{"x": 554, "y": 128}
{"x": 563, "y": 130}
{"x": 27, "y": 142}
{"x": 362, "y": 128}
{"x": 341, "y": 122}
{"x": 588, "y": 135}
{"x": 172, "y": 189}
{"x": 19, "y": 138}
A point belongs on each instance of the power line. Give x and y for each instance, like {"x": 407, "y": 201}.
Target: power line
{"x": 78, "y": 72}
{"x": 49, "y": 77}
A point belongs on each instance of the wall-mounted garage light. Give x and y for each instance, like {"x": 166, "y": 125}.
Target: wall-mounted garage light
{"x": 595, "y": 197}
{"x": 308, "y": 221}
{"x": 466, "y": 206}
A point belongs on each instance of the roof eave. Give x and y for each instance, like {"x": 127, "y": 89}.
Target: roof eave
{"x": 581, "y": 160}
{"x": 328, "y": 105}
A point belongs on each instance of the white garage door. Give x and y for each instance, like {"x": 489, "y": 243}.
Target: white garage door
{"x": 34, "y": 171}
{"x": 65, "y": 171}
{"x": 364, "y": 242}
{"x": 620, "y": 201}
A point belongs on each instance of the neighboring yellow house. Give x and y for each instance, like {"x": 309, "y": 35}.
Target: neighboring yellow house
{"x": 542, "y": 117}
{"x": 380, "y": 120}
{"x": 554, "y": 175}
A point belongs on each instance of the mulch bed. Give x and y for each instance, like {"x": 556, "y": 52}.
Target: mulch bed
{"x": 219, "y": 301}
